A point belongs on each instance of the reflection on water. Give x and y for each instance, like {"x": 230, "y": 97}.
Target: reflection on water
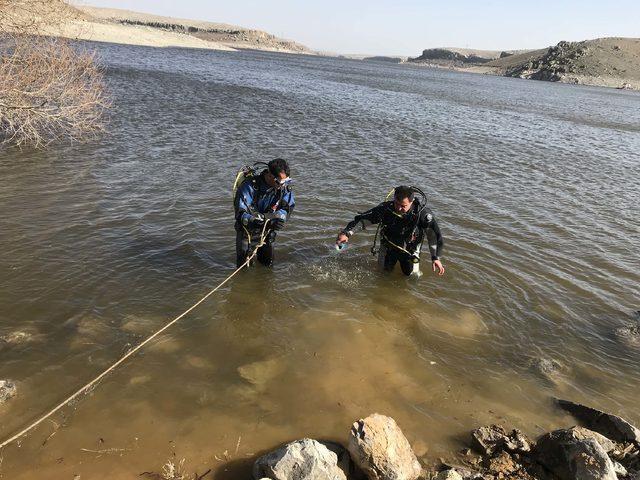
{"x": 535, "y": 186}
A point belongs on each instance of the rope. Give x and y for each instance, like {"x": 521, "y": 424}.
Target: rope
{"x": 86, "y": 387}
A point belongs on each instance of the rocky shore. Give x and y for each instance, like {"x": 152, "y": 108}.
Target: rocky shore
{"x": 610, "y": 62}
{"x": 603, "y": 447}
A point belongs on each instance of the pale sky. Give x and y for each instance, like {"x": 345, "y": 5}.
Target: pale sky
{"x": 406, "y": 27}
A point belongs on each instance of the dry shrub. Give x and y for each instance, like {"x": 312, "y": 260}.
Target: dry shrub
{"x": 49, "y": 90}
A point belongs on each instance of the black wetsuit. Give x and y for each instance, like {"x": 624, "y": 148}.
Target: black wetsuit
{"x": 406, "y": 231}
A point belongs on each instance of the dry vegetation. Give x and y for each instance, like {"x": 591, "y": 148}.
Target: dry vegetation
{"x": 49, "y": 89}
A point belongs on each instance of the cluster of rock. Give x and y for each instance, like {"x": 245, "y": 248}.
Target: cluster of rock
{"x": 556, "y": 64}
{"x": 377, "y": 449}
{"x": 607, "y": 447}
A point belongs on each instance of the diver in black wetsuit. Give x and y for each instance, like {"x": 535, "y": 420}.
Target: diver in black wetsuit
{"x": 404, "y": 222}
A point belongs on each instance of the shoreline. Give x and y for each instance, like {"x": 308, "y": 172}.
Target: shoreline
{"x": 617, "y": 83}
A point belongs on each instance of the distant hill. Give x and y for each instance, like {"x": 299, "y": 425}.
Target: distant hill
{"x": 217, "y": 35}
{"x": 451, "y": 57}
{"x": 369, "y": 58}
{"x": 613, "y": 62}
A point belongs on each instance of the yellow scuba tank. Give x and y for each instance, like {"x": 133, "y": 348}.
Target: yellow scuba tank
{"x": 245, "y": 173}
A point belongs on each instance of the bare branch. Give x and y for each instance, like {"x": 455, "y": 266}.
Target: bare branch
{"x": 49, "y": 90}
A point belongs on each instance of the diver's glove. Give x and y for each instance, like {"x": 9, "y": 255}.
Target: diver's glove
{"x": 254, "y": 221}
{"x": 277, "y": 224}
{"x": 276, "y": 220}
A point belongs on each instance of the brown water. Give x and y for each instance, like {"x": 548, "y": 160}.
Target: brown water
{"x": 536, "y": 189}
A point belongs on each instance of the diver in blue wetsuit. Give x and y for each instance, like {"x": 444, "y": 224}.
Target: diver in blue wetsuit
{"x": 266, "y": 196}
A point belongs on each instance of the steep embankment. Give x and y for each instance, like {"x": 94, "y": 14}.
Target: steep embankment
{"x": 611, "y": 62}
{"x": 196, "y": 33}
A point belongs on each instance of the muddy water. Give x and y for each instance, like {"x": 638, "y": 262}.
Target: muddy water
{"x": 536, "y": 189}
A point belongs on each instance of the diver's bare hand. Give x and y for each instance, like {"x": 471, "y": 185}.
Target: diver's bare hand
{"x": 342, "y": 238}
{"x": 438, "y": 267}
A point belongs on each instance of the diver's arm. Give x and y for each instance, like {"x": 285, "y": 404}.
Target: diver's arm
{"x": 243, "y": 202}
{"x": 287, "y": 204}
{"x": 370, "y": 217}
{"x": 280, "y": 216}
{"x": 434, "y": 240}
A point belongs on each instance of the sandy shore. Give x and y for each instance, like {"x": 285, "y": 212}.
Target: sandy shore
{"x": 131, "y": 35}
{"x": 135, "y": 28}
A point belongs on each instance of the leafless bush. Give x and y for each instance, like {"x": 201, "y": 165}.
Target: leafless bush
{"x": 49, "y": 90}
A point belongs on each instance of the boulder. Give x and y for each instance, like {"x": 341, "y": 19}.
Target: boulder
{"x": 493, "y": 438}
{"x": 8, "y": 390}
{"x": 611, "y": 426}
{"x": 304, "y": 459}
{"x": 380, "y": 449}
{"x": 584, "y": 433}
{"x": 570, "y": 456}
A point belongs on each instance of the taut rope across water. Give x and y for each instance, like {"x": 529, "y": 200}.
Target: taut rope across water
{"x": 93, "y": 382}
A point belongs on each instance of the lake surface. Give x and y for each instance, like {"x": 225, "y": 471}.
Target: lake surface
{"x": 536, "y": 188}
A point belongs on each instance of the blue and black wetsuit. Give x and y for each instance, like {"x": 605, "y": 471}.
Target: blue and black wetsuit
{"x": 256, "y": 197}
{"x": 401, "y": 235}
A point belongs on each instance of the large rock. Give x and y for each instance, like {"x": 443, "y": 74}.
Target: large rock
{"x": 571, "y": 456}
{"x": 584, "y": 433}
{"x": 380, "y": 449}
{"x": 493, "y": 438}
{"x": 8, "y": 390}
{"x": 611, "y": 426}
{"x": 304, "y": 459}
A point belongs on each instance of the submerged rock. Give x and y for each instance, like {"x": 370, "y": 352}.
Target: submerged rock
{"x": 548, "y": 369}
{"x": 8, "y": 390}
{"x": 628, "y": 335}
{"x": 570, "y": 456}
{"x": 494, "y": 438}
{"x": 261, "y": 373}
{"x": 15, "y": 338}
{"x": 611, "y": 426}
{"x": 380, "y": 449}
{"x": 304, "y": 459}
{"x": 20, "y": 337}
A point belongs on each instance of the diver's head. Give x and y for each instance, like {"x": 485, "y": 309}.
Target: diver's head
{"x": 403, "y": 198}
{"x": 277, "y": 174}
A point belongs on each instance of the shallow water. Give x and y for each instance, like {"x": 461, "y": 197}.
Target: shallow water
{"x": 535, "y": 186}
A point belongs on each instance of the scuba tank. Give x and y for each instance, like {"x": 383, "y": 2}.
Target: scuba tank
{"x": 245, "y": 173}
